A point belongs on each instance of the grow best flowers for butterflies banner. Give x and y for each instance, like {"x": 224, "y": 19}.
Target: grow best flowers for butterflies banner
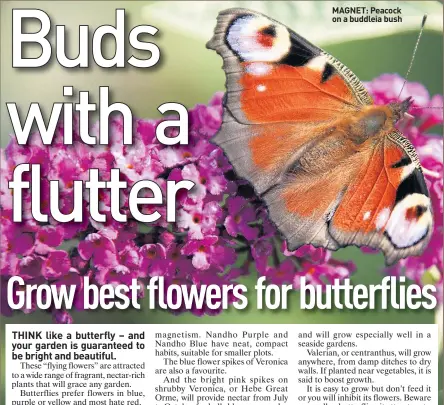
{"x": 248, "y": 212}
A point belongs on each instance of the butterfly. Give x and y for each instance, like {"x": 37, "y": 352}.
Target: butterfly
{"x": 302, "y": 129}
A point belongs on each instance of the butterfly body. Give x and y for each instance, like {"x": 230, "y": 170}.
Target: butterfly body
{"x": 330, "y": 165}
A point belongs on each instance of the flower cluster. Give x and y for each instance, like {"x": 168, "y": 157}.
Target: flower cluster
{"x": 222, "y": 230}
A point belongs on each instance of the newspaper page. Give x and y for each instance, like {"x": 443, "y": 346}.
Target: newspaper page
{"x": 221, "y": 203}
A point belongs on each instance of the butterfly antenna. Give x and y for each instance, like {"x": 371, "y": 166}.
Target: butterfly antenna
{"x": 424, "y": 19}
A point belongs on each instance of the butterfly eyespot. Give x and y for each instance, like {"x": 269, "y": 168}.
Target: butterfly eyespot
{"x": 414, "y": 213}
{"x": 252, "y": 38}
{"x": 266, "y": 36}
{"x": 410, "y": 221}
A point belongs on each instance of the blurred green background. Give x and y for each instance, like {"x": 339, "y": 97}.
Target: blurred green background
{"x": 190, "y": 74}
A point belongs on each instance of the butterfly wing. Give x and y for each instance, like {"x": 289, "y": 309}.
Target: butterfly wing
{"x": 288, "y": 115}
{"x": 375, "y": 196}
{"x": 386, "y": 206}
{"x": 282, "y": 94}
{"x": 264, "y": 60}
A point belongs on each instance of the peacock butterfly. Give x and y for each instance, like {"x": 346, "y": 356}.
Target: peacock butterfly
{"x": 300, "y": 126}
